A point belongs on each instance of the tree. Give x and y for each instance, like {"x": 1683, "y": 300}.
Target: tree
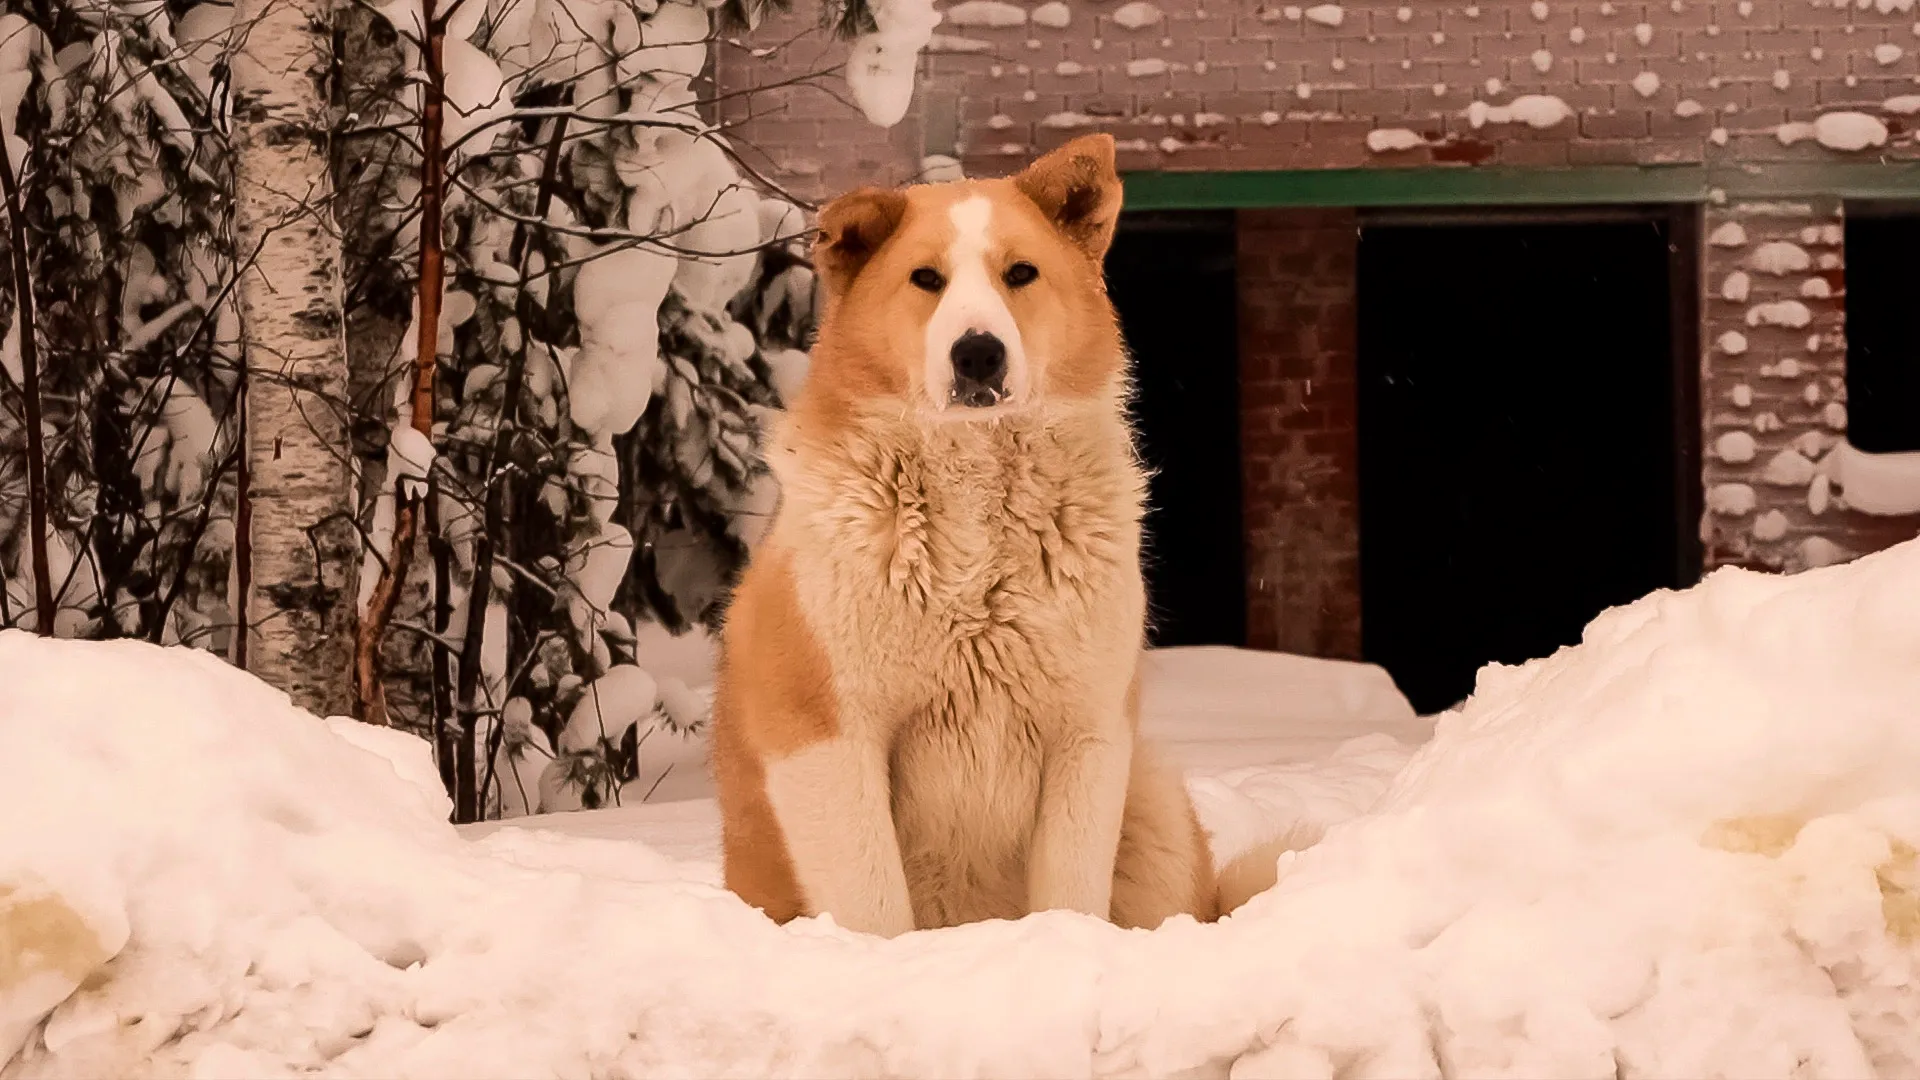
{"x": 297, "y": 614}
{"x": 558, "y": 390}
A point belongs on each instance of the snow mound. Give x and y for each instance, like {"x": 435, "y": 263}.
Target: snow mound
{"x": 1683, "y": 847}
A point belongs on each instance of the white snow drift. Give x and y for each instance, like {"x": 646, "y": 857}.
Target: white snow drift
{"x": 1685, "y": 847}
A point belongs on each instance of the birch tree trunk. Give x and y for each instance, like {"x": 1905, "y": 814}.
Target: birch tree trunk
{"x": 300, "y": 610}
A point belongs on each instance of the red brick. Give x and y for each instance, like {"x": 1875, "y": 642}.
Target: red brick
{"x": 1287, "y": 504}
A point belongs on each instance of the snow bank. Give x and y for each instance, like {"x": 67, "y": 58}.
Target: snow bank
{"x": 1682, "y": 847}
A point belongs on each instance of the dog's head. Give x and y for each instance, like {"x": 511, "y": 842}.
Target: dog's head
{"x": 970, "y": 299}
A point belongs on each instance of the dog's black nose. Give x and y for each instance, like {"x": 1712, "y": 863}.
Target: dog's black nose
{"x": 979, "y": 370}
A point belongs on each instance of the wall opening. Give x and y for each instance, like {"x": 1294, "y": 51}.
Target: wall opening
{"x": 1171, "y": 277}
{"x": 1529, "y": 431}
{"x": 1883, "y": 337}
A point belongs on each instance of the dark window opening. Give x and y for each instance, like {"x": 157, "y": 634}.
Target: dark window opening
{"x": 1528, "y": 432}
{"x": 1171, "y": 277}
{"x": 1883, "y": 326}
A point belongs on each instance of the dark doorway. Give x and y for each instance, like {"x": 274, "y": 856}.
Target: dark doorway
{"x": 1883, "y": 337}
{"x": 1528, "y": 435}
{"x": 1171, "y": 276}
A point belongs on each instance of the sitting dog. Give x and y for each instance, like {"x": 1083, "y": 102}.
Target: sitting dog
{"x": 926, "y": 711}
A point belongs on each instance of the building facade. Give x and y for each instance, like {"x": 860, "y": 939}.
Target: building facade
{"x": 1765, "y": 140}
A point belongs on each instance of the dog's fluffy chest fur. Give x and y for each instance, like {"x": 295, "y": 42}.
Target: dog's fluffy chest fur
{"x": 968, "y": 558}
{"x": 978, "y": 586}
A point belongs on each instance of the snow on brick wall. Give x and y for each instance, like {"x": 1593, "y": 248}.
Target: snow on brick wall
{"x": 1204, "y": 85}
{"x": 1773, "y": 393}
{"x": 1297, "y": 430}
{"x": 786, "y": 110}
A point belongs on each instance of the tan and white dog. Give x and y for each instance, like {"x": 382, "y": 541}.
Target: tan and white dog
{"x": 927, "y": 702}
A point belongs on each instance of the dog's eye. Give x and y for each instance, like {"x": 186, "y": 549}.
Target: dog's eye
{"x": 1020, "y": 273}
{"x": 927, "y": 278}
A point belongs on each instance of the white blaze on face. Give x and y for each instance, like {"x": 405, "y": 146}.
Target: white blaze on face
{"x": 971, "y": 302}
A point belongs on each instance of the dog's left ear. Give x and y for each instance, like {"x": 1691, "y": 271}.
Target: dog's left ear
{"x": 1079, "y": 191}
{"x": 852, "y": 229}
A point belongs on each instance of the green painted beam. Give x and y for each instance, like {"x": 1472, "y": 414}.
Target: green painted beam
{"x": 1514, "y": 186}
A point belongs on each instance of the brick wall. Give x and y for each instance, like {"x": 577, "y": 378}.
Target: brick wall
{"x": 1257, "y": 84}
{"x": 1773, "y": 391}
{"x": 1249, "y": 85}
{"x": 1297, "y": 430}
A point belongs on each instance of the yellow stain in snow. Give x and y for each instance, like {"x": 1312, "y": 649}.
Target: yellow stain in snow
{"x": 41, "y": 935}
{"x": 1772, "y": 834}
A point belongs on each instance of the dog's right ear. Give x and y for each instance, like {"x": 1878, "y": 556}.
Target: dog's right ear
{"x": 852, "y": 228}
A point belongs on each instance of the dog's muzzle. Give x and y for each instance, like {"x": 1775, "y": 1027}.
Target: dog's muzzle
{"x": 979, "y": 371}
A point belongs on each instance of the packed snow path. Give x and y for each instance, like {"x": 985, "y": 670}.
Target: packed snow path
{"x": 1684, "y": 848}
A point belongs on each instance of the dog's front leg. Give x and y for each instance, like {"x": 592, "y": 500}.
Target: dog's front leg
{"x": 1083, "y": 795}
{"x": 834, "y": 802}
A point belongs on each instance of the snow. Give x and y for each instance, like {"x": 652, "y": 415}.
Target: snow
{"x": 410, "y": 460}
{"x": 1053, "y": 15}
{"x": 1849, "y": 131}
{"x": 1542, "y": 61}
{"x": 1797, "y": 131}
{"x": 1734, "y": 447}
{"x": 1791, "y": 314}
{"x": 671, "y": 45}
{"x": 1386, "y": 140}
{"x": 1146, "y": 67}
{"x": 1902, "y": 105}
{"x": 1646, "y": 84}
{"x": 1780, "y": 257}
{"x": 1729, "y": 234}
{"x": 1770, "y": 526}
{"x": 1789, "y": 468}
{"x": 1818, "y": 551}
{"x": 940, "y": 169}
{"x": 1732, "y": 342}
{"x": 1326, "y": 14}
{"x": 476, "y": 94}
{"x": 1683, "y": 847}
{"x": 1136, "y": 15}
{"x": 719, "y": 250}
{"x": 1881, "y": 484}
{"x": 616, "y": 298}
{"x": 994, "y": 14}
{"x": 881, "y": 65}
{"x": 612, "y": 703}
{"x": 1736, "y": 287}
{"x": 597, "y": 563}
{"x": 1732, "y": 500}
{"x": 1533, "y": 110}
